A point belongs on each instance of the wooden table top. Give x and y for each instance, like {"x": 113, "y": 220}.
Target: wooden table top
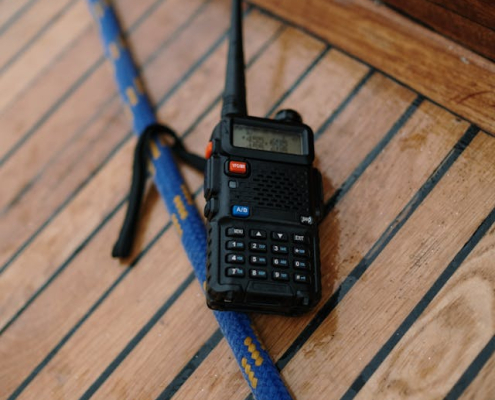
{"x": 405, "y": 130}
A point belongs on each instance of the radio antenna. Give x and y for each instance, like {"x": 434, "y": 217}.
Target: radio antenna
{"x": 234, "y": 95}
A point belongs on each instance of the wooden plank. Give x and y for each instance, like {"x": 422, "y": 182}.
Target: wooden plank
{"x": 22, "y": 33}
{"x": 139, "y": 292}
{"x": 85, "y": 212}
{"x": 11, "y": 11}
{"x": 335, "y": 67}
{"x": 35, "y": 180}
{"x": 481, "y": 11}
{"x": 483, "y": 386}
{"x": 69, "y": 71}
{"x": 77, "y": 285}
{"x": 96, "y": 91}
{"x": 428, "y": 361}
{"x": 24, "y": 70}
{"x": 344, "y": 343}
{"x": 352, "y": 228}
{"x": 447, "y": 73}
{"x": 463, "y": 30}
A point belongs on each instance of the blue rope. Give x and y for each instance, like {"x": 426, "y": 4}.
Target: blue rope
{"x": 258, "y": 369}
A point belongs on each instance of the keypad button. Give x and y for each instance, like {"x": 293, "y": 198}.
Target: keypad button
{"x": 235, "y": 272}
{"x": 240, "y": 211}
{"x": 257, "y": 234}
{"x": 258, "y": 247}
{"x": 301, "y": 278}
{"x": 300, "y": 251}
{"x": 280, "y": 276}
{"x": 235, "y": 232}
{"x": 279, "y": 236}
{"x": 233, "y": 184}
{"x": 235, "y": 245}
{"x": 257, "y": 260}
{"x": 280, "y": 262}
{"x": 235, "y": 258}
{"x": 279, "y": 249}
{"x": 258, "y": 273}
{"x": 300, "y": 238}
{"x": 301, "y": 264}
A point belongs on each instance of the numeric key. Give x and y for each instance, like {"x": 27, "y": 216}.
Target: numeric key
{"x": 235, "y": 258}
{"x": 257, "y": 247}
{"x": 235, "y": 245}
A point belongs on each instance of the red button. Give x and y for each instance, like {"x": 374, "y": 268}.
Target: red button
{"x": 237, "y": 167}
{"x": 209, "y": 149}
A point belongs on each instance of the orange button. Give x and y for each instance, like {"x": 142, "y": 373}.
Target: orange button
{"x": 209, "y": 149}
{"x": 237, "y": 167}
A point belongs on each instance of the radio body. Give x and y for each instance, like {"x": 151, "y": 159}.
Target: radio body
{"x": 263, "y": 203}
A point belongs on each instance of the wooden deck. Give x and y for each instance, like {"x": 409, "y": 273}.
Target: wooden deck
{"x": 405, "y": 128}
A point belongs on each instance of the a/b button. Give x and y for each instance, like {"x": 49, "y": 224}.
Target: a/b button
{"x": 240, "y": 211}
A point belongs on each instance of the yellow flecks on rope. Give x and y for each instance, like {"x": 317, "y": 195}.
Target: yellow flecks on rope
{"x": 255, "y": 354}
{"x": 181, "y": 208}
{"x": 250, "y": 373}
{"x": 155, "y": 151}
{"x": 131, "y": 96}
{"x": 176, "y": 223}
{"x": 114, "y": 51}
{"x": 139, "y": 85}
{"x": 187, "y": 195}
{"x": 258, "y": 337}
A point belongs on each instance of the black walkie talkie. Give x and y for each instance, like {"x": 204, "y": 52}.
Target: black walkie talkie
{"x": 263, "y": 203}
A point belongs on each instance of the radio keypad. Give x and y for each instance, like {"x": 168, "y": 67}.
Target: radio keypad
{"x": 235, "y": 232}
{"x": 257, "y": 260}
{"x": 235, "y": 272}
{"x": 289, "y": 261}
{"x": 235, "y": 245}
{"x": 280, "y": 262}
{"x": 258, "y": 273}
{"x": 235, "y": 258}
{"x": 258, "y": 247}
{"x": 280, "y": 249}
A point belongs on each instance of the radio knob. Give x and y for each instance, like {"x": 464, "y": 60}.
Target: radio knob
{"x": 289, "y": 115}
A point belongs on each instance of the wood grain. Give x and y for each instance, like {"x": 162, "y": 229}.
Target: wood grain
{"x": 428, "y": 362}
{"x": 26, "y": 28}
{"x": 8, "y": 10}
{"x": 481, "y": 11}
{"x": 453, "y": 25}
{"x": 18, "y": 78}
{"x": 463, "y": 81}
{"x": 72, "y": 67}
{"x": 345, "y": 342}
{"x": 90, "y": 206}
{"x": 483, "y": 386}
{"x": 44, "y": 151}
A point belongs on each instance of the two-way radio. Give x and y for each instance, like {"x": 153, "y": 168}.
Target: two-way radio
{"x": 263, "y": 203}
